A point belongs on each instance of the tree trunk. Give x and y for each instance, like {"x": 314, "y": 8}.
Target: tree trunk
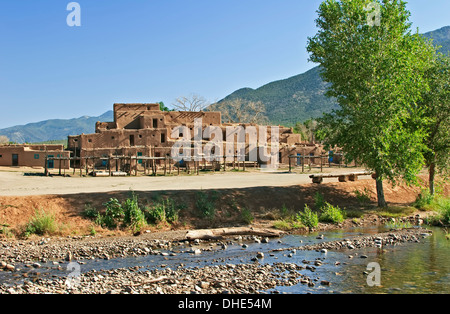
{"x": 380, "y": 193}
{"x": 432, "y": 173}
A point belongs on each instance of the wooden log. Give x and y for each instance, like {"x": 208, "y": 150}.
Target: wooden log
{"x": 353, "y": 177}
{"x": 343, "y": 178}
{"x": 217, "y": 234}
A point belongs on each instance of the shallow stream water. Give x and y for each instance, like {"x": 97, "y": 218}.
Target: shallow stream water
{"x": 422, "y": 267}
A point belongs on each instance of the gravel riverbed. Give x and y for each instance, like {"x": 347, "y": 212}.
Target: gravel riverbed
{"x": 243, "y": 278}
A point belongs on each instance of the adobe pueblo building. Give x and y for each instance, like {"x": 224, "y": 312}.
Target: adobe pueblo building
{"x": 142, "y": 133}
{"x": 34, "y": 156}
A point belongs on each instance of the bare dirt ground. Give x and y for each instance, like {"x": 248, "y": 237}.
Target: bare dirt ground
{"x": 14, "y": 183}
{"x": 263, "y": 194}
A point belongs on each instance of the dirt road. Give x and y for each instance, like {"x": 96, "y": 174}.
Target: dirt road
{"x": 16, "y": 184}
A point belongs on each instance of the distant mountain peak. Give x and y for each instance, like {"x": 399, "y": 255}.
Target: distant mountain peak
{"x": 54, "y": 129}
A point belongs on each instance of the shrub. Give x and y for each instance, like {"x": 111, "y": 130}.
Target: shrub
{"x": 247, "y": 216}
{"x": 163, "y": 211}
{"x": 424, "y": 200}
{"x": 331, "y": 214}
{"x": 319, "y": 200}
{"x": 206, "y": 204}
{"x": 442, "y": 206}
{"x": 90, "y": 212}
{"x": 364, "y": 196}
{"x": 126, "y": 214}
{"x": 41, "y": 223}
{"x": 4, "y": 230}
{"x": 308, "y": 218}
{"x": 133, "y": 216}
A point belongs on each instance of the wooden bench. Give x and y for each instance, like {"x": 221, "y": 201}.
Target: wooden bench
{"x": 343, "y": 177}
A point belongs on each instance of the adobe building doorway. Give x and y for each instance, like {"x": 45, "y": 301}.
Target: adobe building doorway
{"x": 15, "y": 160}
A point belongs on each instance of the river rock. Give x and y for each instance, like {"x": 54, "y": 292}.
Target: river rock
{"x": 10, "y": 267}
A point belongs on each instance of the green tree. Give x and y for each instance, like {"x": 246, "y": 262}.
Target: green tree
{"x": 436, "y": 109}
{"x": 163, "y": 107}
{"x": 376, "y": 69}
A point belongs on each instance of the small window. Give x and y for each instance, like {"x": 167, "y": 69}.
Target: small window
{"x": 36, "y": 156}
{"x": 89, "y": 140}
{"x": 112, "y": 137}
{"x": 140, "y": 135}
{"x": 75, "y": 140}
{"x": 163, "y": 138}
{"x": 1, "y": 156}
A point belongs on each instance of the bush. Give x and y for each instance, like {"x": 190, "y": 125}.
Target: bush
{"x": 319, "y": 200}
{"x": 133, "y": 216}
{"x": 163, "y": 211}
{"x": 364, "y": 196}
{"x": 206, "y": 204}
{"x": 247, "y": 216}
{"x": 308, "y": 218}
{"x": 331, "y": 214}
{"x": 442, "y": 206}
{"x": 127, "y": 215}
{"x": 90, "y": 212}
{"x": 41, "y": 223}
{"x": 424, "y": 200}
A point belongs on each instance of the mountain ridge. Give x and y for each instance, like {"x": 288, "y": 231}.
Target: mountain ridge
{"x": 302, "y": 97}
{"x": 54, "y": 129}
{"x": 288, "y": 101}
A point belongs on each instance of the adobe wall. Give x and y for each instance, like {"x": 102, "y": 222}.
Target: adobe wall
{"x": 137, "y": 127}
{"x": 31, "y": 155}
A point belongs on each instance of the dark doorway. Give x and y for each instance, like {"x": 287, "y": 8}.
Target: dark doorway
{"x": 155, "y": 123}
{"x": 50, "y": 162}
{"x": 131, "y": 140}
{"x": 15, "y": 160}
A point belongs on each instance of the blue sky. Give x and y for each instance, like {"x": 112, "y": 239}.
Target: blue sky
{"x": 150, "y": 51}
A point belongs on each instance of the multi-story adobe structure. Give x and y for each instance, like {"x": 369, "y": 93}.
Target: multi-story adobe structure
{"x": 145, "y": 130}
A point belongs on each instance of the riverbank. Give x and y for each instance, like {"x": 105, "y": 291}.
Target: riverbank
{"x": 218, "y": 278}
{"x": 258, "y": 206}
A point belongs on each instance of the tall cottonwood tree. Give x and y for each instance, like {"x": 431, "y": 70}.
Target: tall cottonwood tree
{"x": 436, "y": 110}
{"x": 376, "y": 72}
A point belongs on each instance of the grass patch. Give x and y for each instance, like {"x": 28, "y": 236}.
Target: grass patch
{"x": 287, "y": 225}
{"x": 4, "y": 231}
{"x": 442, "y": 208}
{"x": 247, "y": 216}
{"x": 206, "y": 204}
{"x": 354, "y": 213}
{"x": 163, "y": 211}
{"x": 42, "y": 223}
{"x": 396, "y": 211}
